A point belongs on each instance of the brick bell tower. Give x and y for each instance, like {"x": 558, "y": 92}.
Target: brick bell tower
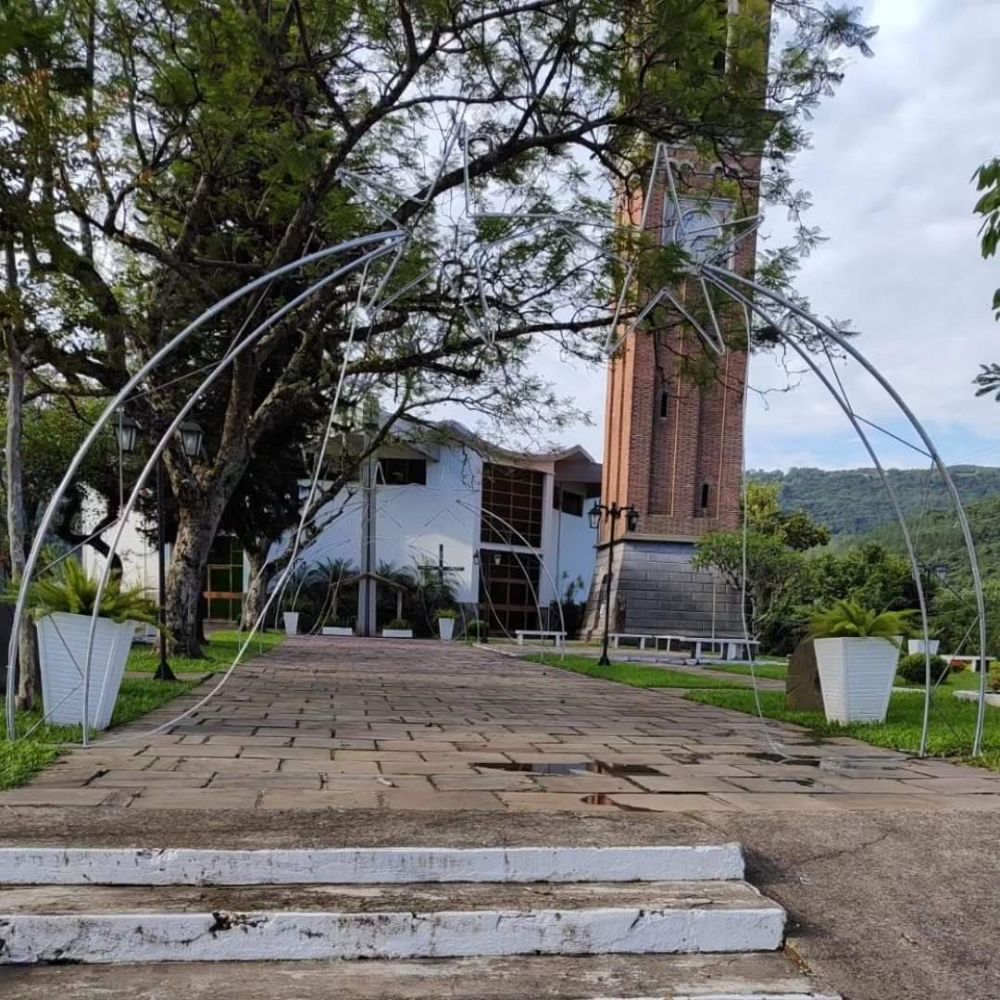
{"x": 673, "y": 444}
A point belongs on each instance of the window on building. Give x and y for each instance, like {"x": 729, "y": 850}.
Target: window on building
{"x": 403, "y": 471}
{"x": 571, "y": 503}
{"x": 704, "y": 496}
{"x": 512, "y": 505}
{"x": 664, "y": 403}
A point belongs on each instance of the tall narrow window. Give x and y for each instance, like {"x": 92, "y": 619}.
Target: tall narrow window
{"x": 664, "y": 403}
{"x": 704, "y": 496}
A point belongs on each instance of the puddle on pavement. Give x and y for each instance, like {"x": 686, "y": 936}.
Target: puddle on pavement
{"x": 575, "y": 767}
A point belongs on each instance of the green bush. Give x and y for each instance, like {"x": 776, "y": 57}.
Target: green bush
{"x": 68, "y": 588}
{"x": 994, "y": 679}
{"x": 447, "y": 613}
{"x": 399, "y": 623}
{"x": 913, "y": 668}
{"x": 476, "y": 629}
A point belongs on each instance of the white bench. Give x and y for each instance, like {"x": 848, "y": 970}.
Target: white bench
{"x": 558, "y": 638}
{"x": 729, "y": 648}
{"x": 972, "y": 662}
{"x": 617, "y": 637}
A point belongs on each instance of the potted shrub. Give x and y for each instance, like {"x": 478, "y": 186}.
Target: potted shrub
{"x": 340, "y": 626}
{"x": 398, "y": 628}
{"x": 62, "y": 604}
{"x": 476, "y": 630}
{"x": 856, "y": 653}
{"x": 291, "y": 620}
{"x": 446, "y": 623}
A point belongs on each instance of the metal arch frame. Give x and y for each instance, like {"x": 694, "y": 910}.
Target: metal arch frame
{"x": 886, "y": 482}
{"x": 388, "y": 239}
{"x": 722, "y": 277}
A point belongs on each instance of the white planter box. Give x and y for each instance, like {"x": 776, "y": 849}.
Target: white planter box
{"x": 397, "y": 633}
{"x": 856, "y": 676}
{"x": 291, "y": 619}
{"x": 446, "y": 626}
{"x": 62, "y": 656}
{"x": 337, "y": 630}
{"x": 917, "y": 646}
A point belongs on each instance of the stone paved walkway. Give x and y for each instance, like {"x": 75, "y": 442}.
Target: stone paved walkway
{"x": 344, "y": 723}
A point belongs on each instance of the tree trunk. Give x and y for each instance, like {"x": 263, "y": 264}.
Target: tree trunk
{"x": 256, "y": 594}
{"x": 196, "y": 531}
{"x": 29, "y": 681}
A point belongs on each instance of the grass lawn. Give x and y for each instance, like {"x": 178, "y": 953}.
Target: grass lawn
{"x": 952, "y": 722}
{"x": 19, "y": 761}
{"x": 772, "y": 671}
{"x": 139, "y": 695}
{"x": 219, "y": 653}
{"x": 633, "y": 674}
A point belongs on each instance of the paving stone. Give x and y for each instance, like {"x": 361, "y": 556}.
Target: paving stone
{"x": 41, "y": 795}
{"x": 195, "y": 798}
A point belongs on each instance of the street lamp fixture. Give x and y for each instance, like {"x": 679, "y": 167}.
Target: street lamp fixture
{"x": 612, "y": 514}
{"x": 191, "y": 436}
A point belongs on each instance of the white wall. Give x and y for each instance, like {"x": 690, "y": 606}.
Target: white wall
{"x": 412, "y": 521}
{"x": 138, "y": 556}
{"x": 576, "y": 553}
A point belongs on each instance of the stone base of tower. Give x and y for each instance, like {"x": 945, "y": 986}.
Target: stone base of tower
{"x": 656, "y": 590}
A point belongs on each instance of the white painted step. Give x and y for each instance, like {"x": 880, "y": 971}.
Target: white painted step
{"x": 507, "y": 978}
{"x": 95, "y": 866}
{"x": 273, "y": 923}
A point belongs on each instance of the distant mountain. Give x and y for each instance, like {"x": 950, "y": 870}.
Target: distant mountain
{"x": 938, "y": 540}
{"x": 854, "y": 502}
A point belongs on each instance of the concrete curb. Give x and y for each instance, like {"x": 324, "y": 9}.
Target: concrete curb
{"x": 283, "y": 936}
{"x": 355, "y": 866}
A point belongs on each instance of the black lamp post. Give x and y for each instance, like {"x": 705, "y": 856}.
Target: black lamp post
{"x": 612, "y": 515}
{"x": 191, "y": 437}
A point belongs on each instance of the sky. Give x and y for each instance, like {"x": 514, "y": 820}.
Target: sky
{"x": 890, "y": 171}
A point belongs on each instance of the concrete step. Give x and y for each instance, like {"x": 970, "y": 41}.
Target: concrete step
{"x": 96, "y": 866}
{"x": 670, "y": 977}
{"x": 107, "y": 924}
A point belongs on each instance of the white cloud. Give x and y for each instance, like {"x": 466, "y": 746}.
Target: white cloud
{"x": 890, "y": 172}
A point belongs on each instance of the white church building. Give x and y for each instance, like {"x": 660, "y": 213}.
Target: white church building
{"x": 510, "y": 527}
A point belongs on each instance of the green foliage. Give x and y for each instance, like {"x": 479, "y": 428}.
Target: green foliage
{"x": 854, "y": 501}
{"x": 476, "y": 629}
{"x": 848, "y": 619}
{"x": 952, "y": 722}
{"x": 772, "y": 572}
{"x": 913, "y": 668}
{"x": 447, "y": 613}
{"x": 955, "y": 619}
{"x": 795, "y": 529}
{"x": 994, "y": 679}
{"x": 19, "y": 761}
{"x": 68, "y": 588}
{"x": 987, "y": 179}
{"x": 219, "y": 653}
{"x": 398, "y": 623}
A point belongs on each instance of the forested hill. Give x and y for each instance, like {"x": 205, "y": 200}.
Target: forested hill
{"x": 853, "y": 501}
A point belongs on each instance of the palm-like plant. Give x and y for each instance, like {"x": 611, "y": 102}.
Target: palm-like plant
{"x": 68, "y": 588}
{"x": 848, "y": 619}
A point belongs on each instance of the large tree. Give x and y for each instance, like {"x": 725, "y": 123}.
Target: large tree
{"x": 157, "y": 154}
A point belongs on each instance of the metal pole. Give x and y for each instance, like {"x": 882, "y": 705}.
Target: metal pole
{"x": 963, "y": 521}
{"x": 612, "y": 515}
{"x": 163, "y": 671}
